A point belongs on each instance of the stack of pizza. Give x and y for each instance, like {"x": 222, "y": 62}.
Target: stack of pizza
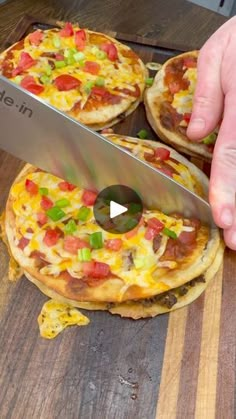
{"x": 167, "y": 260}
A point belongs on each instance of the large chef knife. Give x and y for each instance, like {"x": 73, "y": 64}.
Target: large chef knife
{"x": 40, "y": 134}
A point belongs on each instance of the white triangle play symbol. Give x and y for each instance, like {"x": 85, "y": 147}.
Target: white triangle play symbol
{"x": 116, "y": 209}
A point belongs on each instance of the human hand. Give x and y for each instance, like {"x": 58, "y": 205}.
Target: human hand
{"x": 215, "y": 96}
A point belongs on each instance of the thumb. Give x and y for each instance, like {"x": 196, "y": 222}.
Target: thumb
{"x": 223, "y": 173}
{"x": 208, "y": 96}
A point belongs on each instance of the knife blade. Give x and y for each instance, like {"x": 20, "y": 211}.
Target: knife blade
{"x": 38, "y": 133}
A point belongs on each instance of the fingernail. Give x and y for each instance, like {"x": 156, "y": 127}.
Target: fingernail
{"x": 227, "y": 218}
{"x": 197, "y": 124}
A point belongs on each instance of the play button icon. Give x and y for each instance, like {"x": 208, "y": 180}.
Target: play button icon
{"x": 118, "y": 209}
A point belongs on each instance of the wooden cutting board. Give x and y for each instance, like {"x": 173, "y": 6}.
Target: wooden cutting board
{"x": 180, "y": 365}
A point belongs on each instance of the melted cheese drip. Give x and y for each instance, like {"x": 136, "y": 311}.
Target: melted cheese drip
{"x": 55, "y": 317}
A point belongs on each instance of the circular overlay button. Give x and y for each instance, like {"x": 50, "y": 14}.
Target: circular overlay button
{"x": 118, "y": 209}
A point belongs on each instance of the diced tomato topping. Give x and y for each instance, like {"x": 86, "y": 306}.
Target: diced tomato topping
{"x": 23, "y": 243}
{"x": 187, "y": 117}
{"x": 29, "y": 83}
{"x": 80, "y": 39}
{"x": 25, "y": 62}
{"x": 150, "y": 233}
{"x": 91, "y": 67}
{"x": 166, "y": 171}
{"x": 67, "y": 31}
{"x": 72, "y": 244}
{"x": 162, "y": 153}
{"x": 190, "y": 62}
{"x": 46, "y": 203}
{"x": 59, "y": 57}
{"x": 42, "y": 218}
{"x": 89, "y": 197}
{"x": 111, "y": 50}
{"x": 187, "y": 237}
{"x": 65, "y": 82}
{"x": 113, "y": 244}
{"x": 36, "y": 37}
{"x": 96, "y": 269}
{"x": 52, "y": 236}
{"x": 155, "y": 224}
{"x": 31, "y": 187}
{"x": 66, "y": 186}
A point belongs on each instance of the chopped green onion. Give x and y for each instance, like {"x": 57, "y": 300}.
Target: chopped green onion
{"x": 101, "y": 55}
{"x": 56, "y": 42}
{"x": 18, "y": 79}
{"x": 100, "y": 81}
{"x": 142, "y": 134}
{"x": 55, "y": 213}
{"x": 79, "y": 56}
{"x": 60, "y": 64}
{"x": 94, "y": 50}
{"x": 70, "y": 227}
{"x": 149, "y": 81}
{"x": 48, "y": 70}
{"x": 88, "y": 86}
{"x": 61, "y": 203}
{"x": 210, "y": 139}
{"x": 83, "y": 213}
{"x": 43, "y": 191}
{"x": 96, "y": 240}
{"x": 169, "y": 233}
{"x": 45, "y": 79}
{"x": 70, "y": 52}
{"x": 70, "y": 60}
{"x": 84, "y": 255}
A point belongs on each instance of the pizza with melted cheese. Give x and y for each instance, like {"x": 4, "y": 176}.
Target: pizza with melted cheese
{"x": 162, "y": 264}
{"x": 169, "y": 104}
{"x": 89, "y": 75}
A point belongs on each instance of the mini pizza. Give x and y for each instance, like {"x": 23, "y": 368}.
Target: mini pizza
{"x": 89, "y": 75}
{"x": 169, "y": 103}
{"x": 162, "y": 264}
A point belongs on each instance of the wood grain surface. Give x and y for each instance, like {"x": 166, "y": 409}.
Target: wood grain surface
{"x": 178, "y": 366}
